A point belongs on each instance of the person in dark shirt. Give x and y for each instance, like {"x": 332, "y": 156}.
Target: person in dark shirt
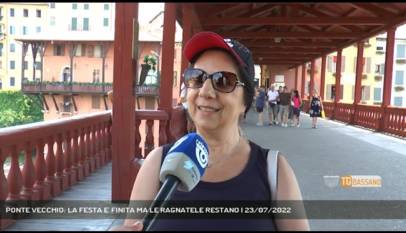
{"x": 260, "y": 104}
{"x": 220, "y": 91}
{"x": 285, "y": 98}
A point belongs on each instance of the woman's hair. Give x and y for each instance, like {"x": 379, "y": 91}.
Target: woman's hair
{"x": 296, "y": 93}
{"x": 249, "y": 89}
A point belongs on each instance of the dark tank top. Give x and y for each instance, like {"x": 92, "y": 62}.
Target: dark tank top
{"x": 250, "y": 185}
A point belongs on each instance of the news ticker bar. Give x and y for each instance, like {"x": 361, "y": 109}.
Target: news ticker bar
{"x": 79, "y": 209}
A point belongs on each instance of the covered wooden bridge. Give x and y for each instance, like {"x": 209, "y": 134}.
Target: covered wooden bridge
{"x": 287, "y": 35}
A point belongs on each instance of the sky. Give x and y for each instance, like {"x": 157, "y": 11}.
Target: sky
{"x": 146, "y": 11}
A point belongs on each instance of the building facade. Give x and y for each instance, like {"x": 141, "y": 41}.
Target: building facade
{"x": 18, "y": 19}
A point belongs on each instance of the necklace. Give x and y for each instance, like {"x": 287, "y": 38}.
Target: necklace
{"x": 220, "y": 161}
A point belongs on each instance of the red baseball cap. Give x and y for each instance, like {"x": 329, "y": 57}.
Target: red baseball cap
{"x": 207, "y": 40}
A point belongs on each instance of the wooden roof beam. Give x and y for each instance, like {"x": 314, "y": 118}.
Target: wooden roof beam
{"x": 272, "y": 43}
{"x": 269, "y": 35}
{"x": 293, "y": 21}
{"x": 376, "y": 10}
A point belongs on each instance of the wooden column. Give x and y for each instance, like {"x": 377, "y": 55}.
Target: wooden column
{"x": 168, "y": 47}
{"x": 387, "y": 83}
{"x": 337, "y": 83}
{"x": 24, "y": 52}
{"x": 303, "y": 80}
{"x": 322, "y": 76}
{"x": 187, "y": 34}
{"x": 312, "y": 71}
{"x": 358, "y": 72}
{"x": 338, "y": 75}
{"x": 125, "y": 65}
{"x": 296, "y": 76}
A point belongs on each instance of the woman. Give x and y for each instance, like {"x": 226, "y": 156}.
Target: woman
{"x": 260, "y": 104}
{"x": 220, "y": 91}
{"x": 296, "y": 108}
{"x": 316, "y": 106}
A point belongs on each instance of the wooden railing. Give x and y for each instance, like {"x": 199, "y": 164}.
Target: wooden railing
{"x": 66, "y": 151}
{"x": 395, "y": 121}
{"x": 368, "y": 116}
{"x": 344, "y": 112}
{"x": 391, "y": 120}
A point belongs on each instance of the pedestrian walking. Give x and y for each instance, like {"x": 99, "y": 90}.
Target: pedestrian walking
{"x": 273, "y": 107}
{"x": 259, "y": 104}
{"x": 297, "y": 102}
{"x": 316, "y": 106}
{"x": 284, "y": 98}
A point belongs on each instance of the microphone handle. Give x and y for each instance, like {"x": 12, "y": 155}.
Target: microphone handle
{"x": 164, "y": 194}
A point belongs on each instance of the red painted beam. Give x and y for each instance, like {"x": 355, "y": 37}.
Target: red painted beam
{"x": 271, "y": 44}
{"x": 302, "y": 35}
{"x": 303, "y": 80}
{"x": 168, "y": 53}
{"x": 292, "y": 21}
{"x": 187, "y": 34}
{"x": 312, "y": 71}
{"x": 125, "y": 68}
{"x": 387, "y": 84}
{"x": 338, "y": 76}
{"x": 358, "y": 72}
{"x": 322, "y": 76}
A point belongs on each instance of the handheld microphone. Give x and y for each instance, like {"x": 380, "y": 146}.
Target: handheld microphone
{"x": 182, "y": 168}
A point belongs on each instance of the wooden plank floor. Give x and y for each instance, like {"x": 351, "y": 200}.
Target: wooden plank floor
{"x": 97, "y": 186}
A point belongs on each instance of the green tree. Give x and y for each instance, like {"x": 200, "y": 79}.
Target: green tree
{"x": 17, "y": 108}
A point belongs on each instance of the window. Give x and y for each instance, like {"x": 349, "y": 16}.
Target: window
{"x": 86, "y": 6}
{"x": 12, "y": 30}
{"x": 38, "y": 65}
{"x": 85, "y": 24}
{"x": 399, "y": 77}
{"x": 400, "y": 51}
{"x": 1, "y": 49}
{"x": 96, "y": 75}
{"x": 377, "y": 93}
{"x": 1, "y": 66}
{"x": 38, "y": 29}
{"x": 398, "y": 101}
{"x": 380, "y": 68}
{"x": 106, "y": 22}
{"x": 25, "y": 65}
{"x": 90, "y": 50}
{"x": 52, "y": 5}
{"x": 25, "y": 12}
{"x": 52, "y": 21}
{"x": 12, "y": 47}
{"x": 11, "y": 12}
{"x": 12, "y": 65}
{"x": 365, "y": 92}
{"x": 38, "y": 13}
{"x": 80, "y": 50}
{"x": 12, "y": 81}
{"x": 74, "y": 24}
{"x": 95, "y": 102}
{"x": 106, "y": 6}
{"x": 74, "y": 6}
{"x": 59, "y": 50}
{"x": 25, "y": 30}
{"x": 67, "y": 104}
{"x": 97, "y": 51}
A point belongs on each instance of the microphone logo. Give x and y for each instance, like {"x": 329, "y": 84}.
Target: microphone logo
{"x": 202, "y": 154}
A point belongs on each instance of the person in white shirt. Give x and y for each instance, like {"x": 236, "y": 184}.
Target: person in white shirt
{"x": 273, "y": 108}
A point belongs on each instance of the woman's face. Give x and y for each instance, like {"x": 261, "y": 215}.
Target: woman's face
{"x": 211, "y": 109}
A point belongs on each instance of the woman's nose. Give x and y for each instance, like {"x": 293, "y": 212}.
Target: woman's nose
{"x": 207, "y": 90}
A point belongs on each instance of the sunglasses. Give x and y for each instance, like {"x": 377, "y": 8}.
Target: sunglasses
{"x": 222, "y": 81}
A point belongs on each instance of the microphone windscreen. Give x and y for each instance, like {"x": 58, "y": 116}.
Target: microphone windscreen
{"x": 187, "y": 160}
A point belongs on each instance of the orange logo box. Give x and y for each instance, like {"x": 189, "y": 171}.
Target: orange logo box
{"x": 361, "y": 181}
